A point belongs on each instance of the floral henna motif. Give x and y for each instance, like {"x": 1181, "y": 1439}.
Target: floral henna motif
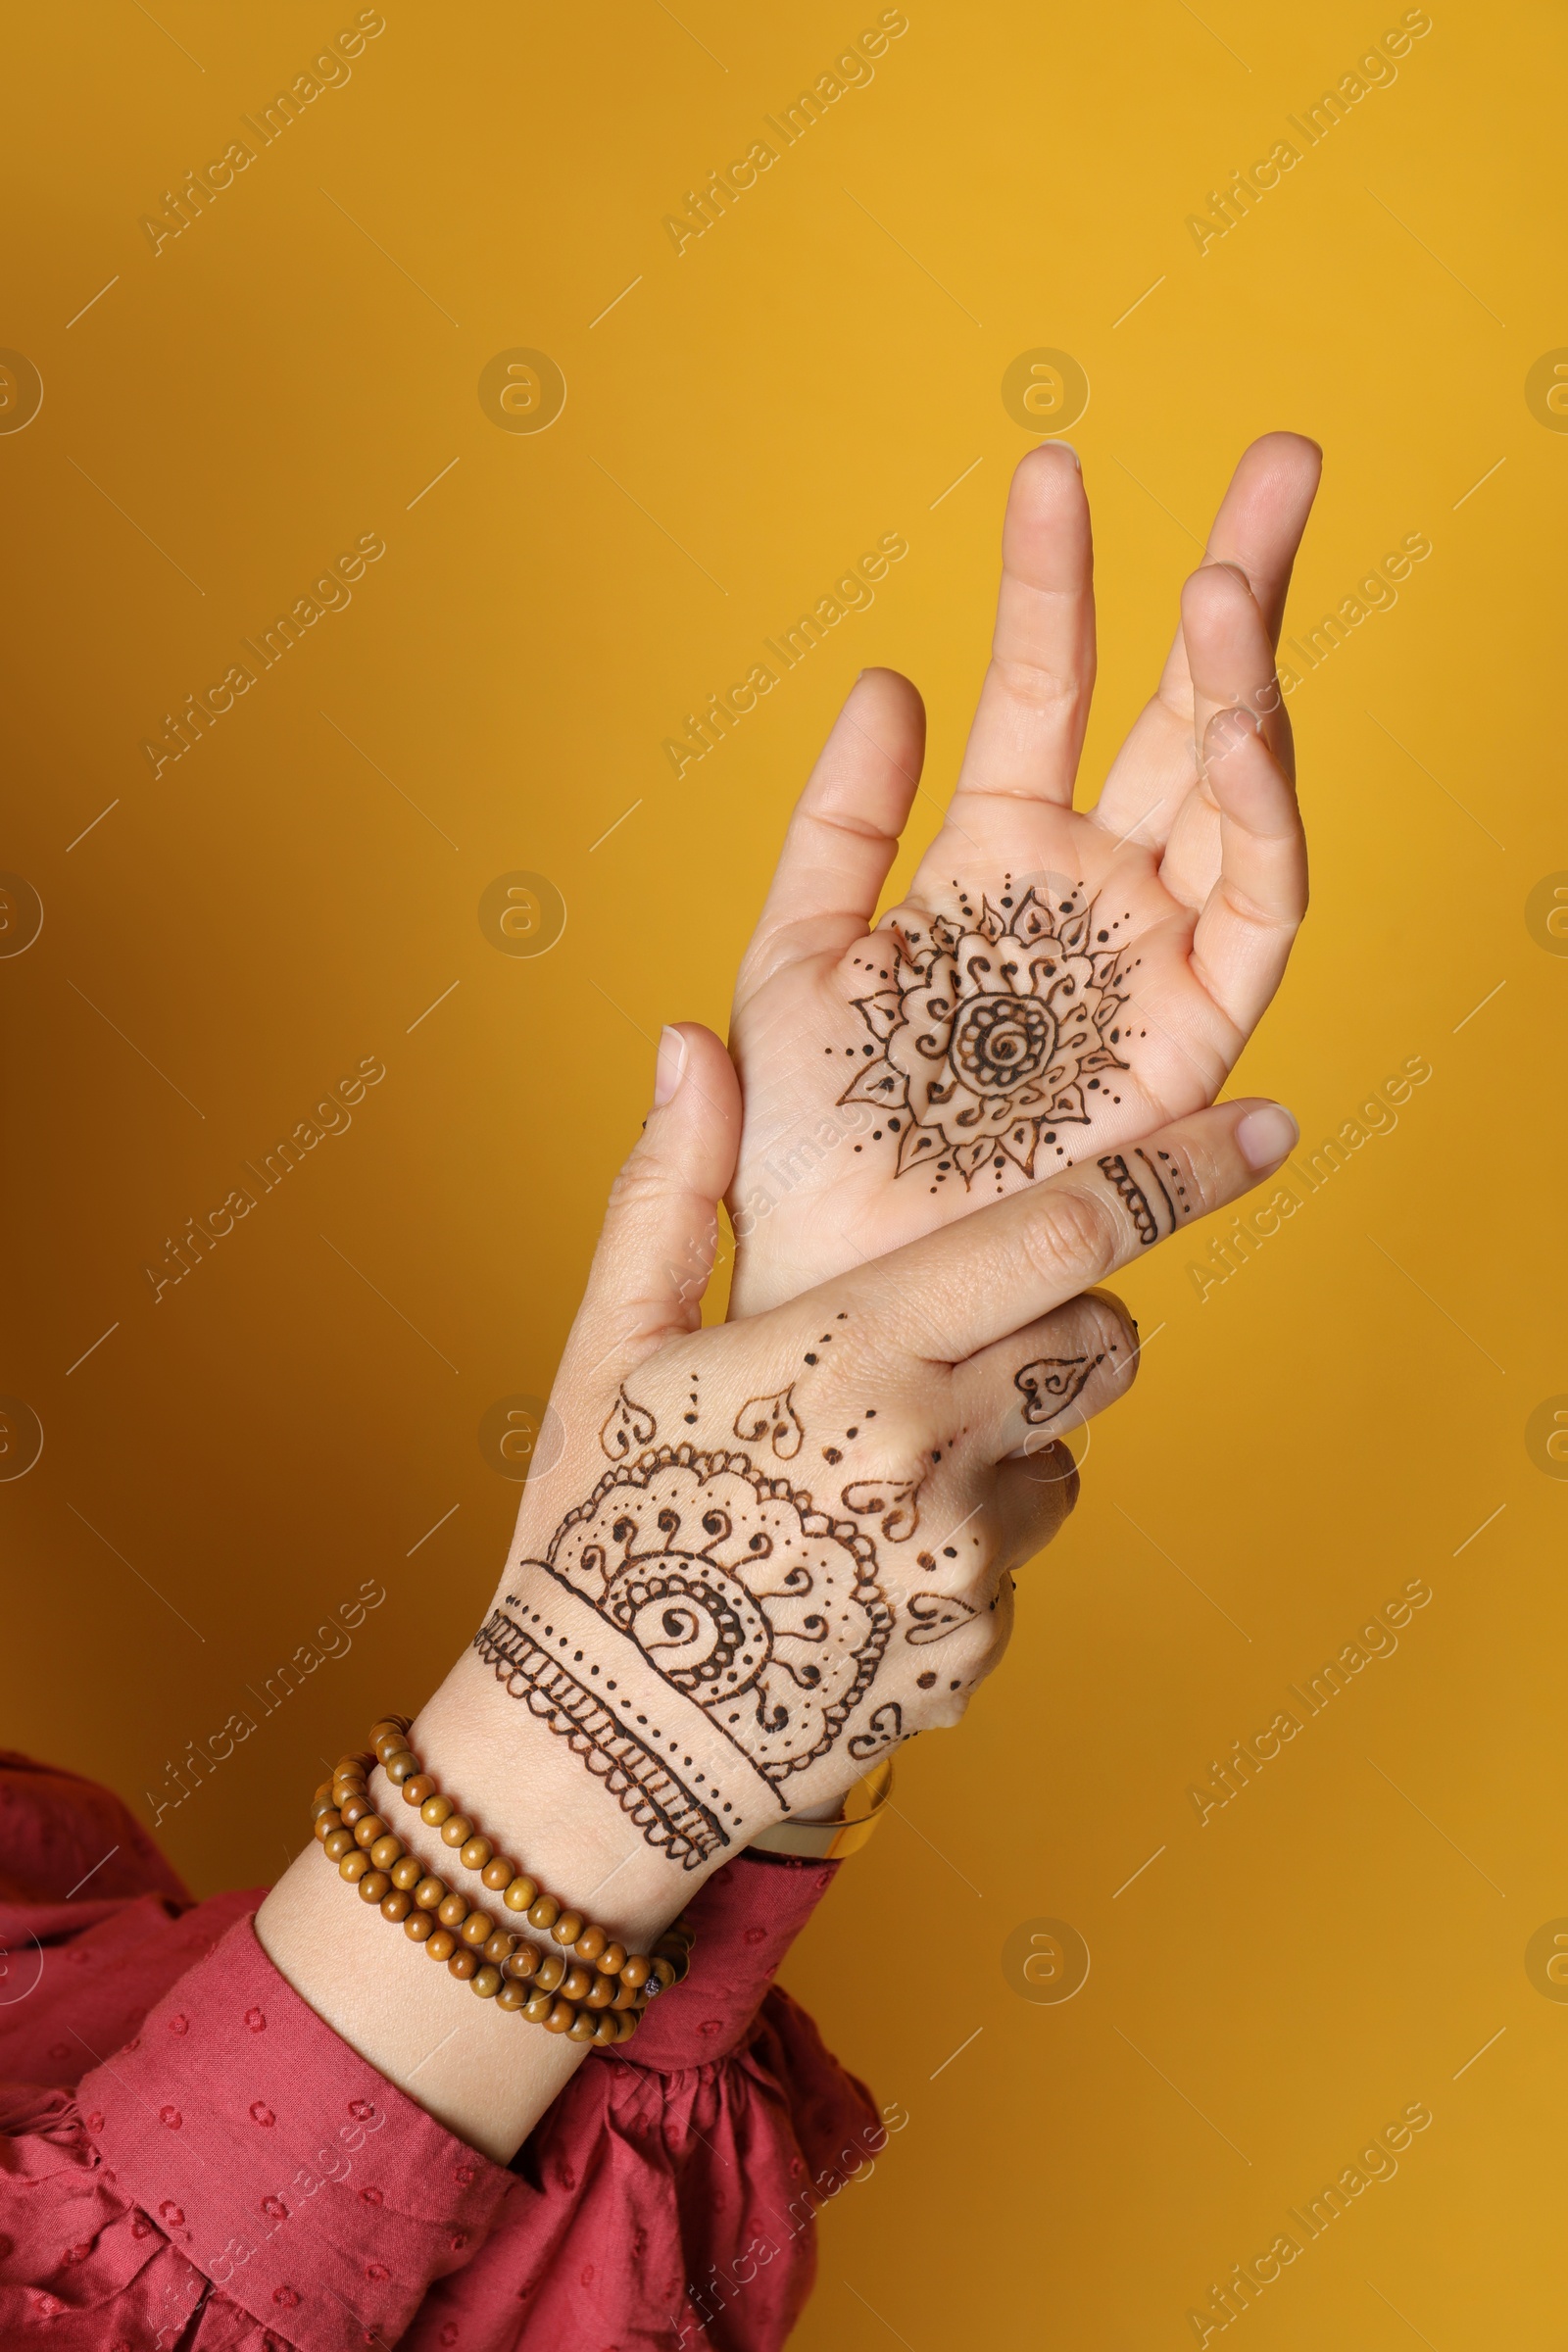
{"x": 1051, "y": 1382}
{"x": 761, "y": 1610}
{"x": 995, "y": 1031}
{"x": 629, "y": 1428}
{"x": 773, "y": 1418}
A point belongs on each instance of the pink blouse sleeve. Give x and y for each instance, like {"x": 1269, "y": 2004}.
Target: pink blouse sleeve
{"x": 234, "y": 2175}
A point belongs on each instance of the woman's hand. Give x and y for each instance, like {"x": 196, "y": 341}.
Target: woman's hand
{"x": 750, "y": 1559}
{"x": 1055, "y": 982}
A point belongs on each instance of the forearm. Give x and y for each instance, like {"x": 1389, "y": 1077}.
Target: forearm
{"x": 485, "y": 2074}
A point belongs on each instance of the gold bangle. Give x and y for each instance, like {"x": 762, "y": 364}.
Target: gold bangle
{"x": 832, "y": 1841}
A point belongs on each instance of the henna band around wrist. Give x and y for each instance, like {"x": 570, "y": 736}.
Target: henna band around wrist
{"x": 590, "y": 1987}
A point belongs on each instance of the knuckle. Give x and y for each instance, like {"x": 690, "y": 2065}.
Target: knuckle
{"x": 1071, "y": 1240}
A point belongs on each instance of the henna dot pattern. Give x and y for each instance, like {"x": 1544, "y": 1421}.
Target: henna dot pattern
{"x": 994, "y": 1030}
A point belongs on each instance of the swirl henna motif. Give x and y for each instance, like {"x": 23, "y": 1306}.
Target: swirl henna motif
{"x": 898, "y": 1497}
{"x": 1051, "y": 1382}
{"x": 773, "y": 1418}
{"x": 935, "y": 1615}
{"x": 629, "y": 1428}
{"x": 760, "y": 1614}
{"x": 884, "y": 1730}
{"x": 994, "y": 1031}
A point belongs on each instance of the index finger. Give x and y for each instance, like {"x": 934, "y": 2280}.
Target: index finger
{"x": 1003, "y": 1267}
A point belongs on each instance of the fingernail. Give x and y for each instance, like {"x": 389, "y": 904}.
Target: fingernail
{"x": 1071, "y": 452}
{"x": 670, "y": 1066}
{"x": 1266, "y": 1136}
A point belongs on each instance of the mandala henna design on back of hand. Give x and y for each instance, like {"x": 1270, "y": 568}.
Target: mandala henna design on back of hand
{"x": 1154, "y": 1195}
{"x": 995, "y": 1031}
{"x": 898, "y": 1497}
{"x": 773, "y": 1418}
{"x": 629, "y": 1428}
{"x": 1051, "y": 1383}
{"x": 760, "y": 1614}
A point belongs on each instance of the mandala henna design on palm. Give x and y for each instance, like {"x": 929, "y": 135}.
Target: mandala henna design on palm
{"x": 760, "y": 1613}
{"x": 995, "y": 1031}
{"x": 1052, "y": 1381}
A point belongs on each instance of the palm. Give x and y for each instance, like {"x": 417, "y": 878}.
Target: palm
{"x": 1056, "y": 980}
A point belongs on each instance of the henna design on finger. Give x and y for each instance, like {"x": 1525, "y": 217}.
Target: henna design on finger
{"x": 1060, "y": 1378}
{"x": 884, "y": 1730}
{"x": 936, "y": 1615}
{"x": 899, "y": 1498}
{"x": 629, "y": 1428}
{"x": 992, "y": 1035}
{"x": 773, "y": 1418}
{"x": 1159, "y": 1188}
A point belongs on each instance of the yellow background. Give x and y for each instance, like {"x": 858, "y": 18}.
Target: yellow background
{"x": 236, "y": 1459}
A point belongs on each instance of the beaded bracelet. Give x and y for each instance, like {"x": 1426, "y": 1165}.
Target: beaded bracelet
{"x": 590, "y": 1989}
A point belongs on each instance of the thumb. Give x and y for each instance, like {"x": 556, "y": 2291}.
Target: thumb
{"x": 657, "y": 1246}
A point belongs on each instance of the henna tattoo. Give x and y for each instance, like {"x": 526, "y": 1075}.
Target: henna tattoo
{"x": 627, "y": 1760}
{"x": 760, "y": 1613}
{"x": 1159, "y": 1188}
{"x": 884, "y": 1730}
{"x": 773, "y": 1418}
{"x": 629, "y": 1428}
{"x": 991, "y": 1035}
{"x": 936, "y": 1615}
{"x": 1059, "y": 1378}
{"x": 899, "y": 1498}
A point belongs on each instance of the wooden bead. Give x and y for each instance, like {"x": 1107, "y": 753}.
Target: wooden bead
{"x": 349, "y": 1768}
{"x": 521, "y": 1892}
{"x": 453, "y": 1911}
{"x": 364, "y": 1760}
{"x": 418, "y": 1926}
{"x": 524, "y": 1962}
{"x": 511, "y": 1998}
{"x": 400, "y": 1767}
{"x": 562, "y": 2017}
{"x": 601, "y": 1993}
{"x": 498, "y": 1873}
{"x": 386, "y": 1851}
{"x": 464, "y": 1963}
{"x": 431, "y": 1892}
{"x": 441, "y": 1945}
{"x": 568, "y": 1927}
{"x": 389, "y": 1723}
{"x": 583, "y": 2028}
{"x": 322, "y": 1804}
{"x": 626, "y": 1995}
{"x": 476, "y": 1852}
{"x": 486, "y": 1981}
{"x": 399, "y": 1904}
{"x": 354, "y": 1865}
{"x": 456, "y": 1830}
{"x": 577, "y": 1982}
{"x": 373, "y": 1885}
{"x": 416, "y": 1790}
{"x": 500, "y": 1946}
{"x": 323, "y": 1792}
{"x": 435, "y": 1810}
{"x": 612, "y": 1959}
{"x": 478, "y": 1928}
{"x": 408, "y": 1871}
{"x": 340, "y": 1842}
{"x": 354, "y": 1809}
{"x": 544, "y": 1913}
{"x": 550, "y": 1970}
{"x": 625, "y": 2023}
{"x": 537, "y": 2007}
{"x": 325, "y": 1823}
{"x": 367, "y": 1829}
{"x": 663, "y": 1970}
{"x": 635, "y": 1970}
{"x": 607, "y": 2032}
{"x": 590, "y": 1944}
